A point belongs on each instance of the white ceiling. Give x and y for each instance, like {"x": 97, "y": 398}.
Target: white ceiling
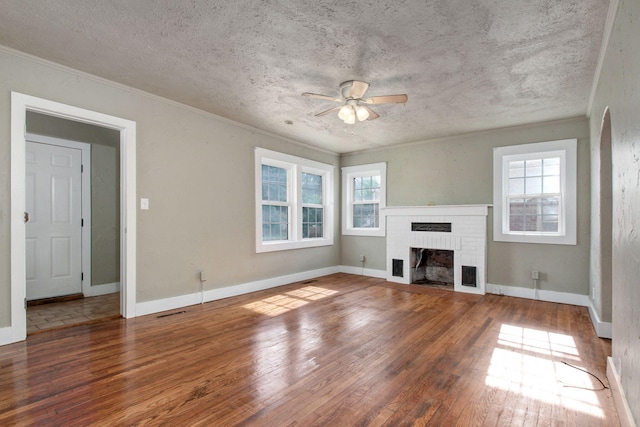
{"x": 466, "y": 65}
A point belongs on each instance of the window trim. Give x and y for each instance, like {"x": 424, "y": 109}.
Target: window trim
{"x": 348, "y": 174}
{"x": 295, "y": 166}
{"x": 566, "y": 149}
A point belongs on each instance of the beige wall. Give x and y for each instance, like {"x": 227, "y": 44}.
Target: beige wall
{"x": 105, "y": 188}
{"x": 619, "y": 90}
{"x": 196, "y": 170}
{"x": 459, "y": 170}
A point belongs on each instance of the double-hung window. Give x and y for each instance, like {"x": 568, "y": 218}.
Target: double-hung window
{"x": 364, "y": 199}
{"x": 535, "y": 193}
{"x": 294, "y": 202}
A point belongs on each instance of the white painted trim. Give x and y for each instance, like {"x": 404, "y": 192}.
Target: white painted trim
{"x": 567, "y": 150}
{"x": 622, "y": 406}
{"x": 369, "y": 272}
{"x": 439, "y": 210}
{"x": 85, "y": 201}
{"x": 348, "y": 174}
{"x": 150, "y": 307}
{"x": 20, "y": 103}
{"x": 603, "y": 329}
{"x": 104, "y": 289}
{"x": 294, "y": 166}
{"x": 539, "y": 294}
{"x": 606, "y": 35}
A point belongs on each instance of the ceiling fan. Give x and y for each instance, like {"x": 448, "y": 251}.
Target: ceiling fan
{"x": 353, "y": 104}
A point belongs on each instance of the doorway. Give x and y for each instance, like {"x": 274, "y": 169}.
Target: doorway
{"x": 606, "y": 220}
{"x": 20, "y": 105}
{"x": 83, "y": 284}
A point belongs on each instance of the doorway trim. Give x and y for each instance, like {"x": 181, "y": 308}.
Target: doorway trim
{"x": 20, "y": 103}
{"x": 85, "y": 204}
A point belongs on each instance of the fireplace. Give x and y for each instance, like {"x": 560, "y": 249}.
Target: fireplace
{"x": 432, "y": 267}
{"x": 441, "y": 245}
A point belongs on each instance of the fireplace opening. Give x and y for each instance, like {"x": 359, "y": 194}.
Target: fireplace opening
{"x": 432, "y": 267}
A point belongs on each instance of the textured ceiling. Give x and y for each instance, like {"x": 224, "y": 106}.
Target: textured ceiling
{"x": 466, "y": 65}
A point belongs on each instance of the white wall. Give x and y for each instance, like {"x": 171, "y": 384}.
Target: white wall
{"x": 619, "y": 89}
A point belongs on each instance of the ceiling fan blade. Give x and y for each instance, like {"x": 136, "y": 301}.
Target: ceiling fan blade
{"x": 386, "y": 99}
{"x": 372, "y": 114}
{"x": 358, "y": 89}
{"x": 328, "y": 111}
{"x": 325, "y": 97}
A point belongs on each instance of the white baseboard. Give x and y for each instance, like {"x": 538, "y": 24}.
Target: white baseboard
{"x": 104, "y": 289}
{"x": 603, "y": 329}
{"x": 539, "y": 294}
{"x": 379, "y": 274}
{"x": 622, "y": 406}
{"x": 150, "y": 307}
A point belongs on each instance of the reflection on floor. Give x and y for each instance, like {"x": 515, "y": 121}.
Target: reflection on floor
{"x": 71, "y": 313}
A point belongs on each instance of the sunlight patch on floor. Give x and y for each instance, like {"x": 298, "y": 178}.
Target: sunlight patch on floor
{"x": 282, "y": 303}
{"x": 529, "y": 362}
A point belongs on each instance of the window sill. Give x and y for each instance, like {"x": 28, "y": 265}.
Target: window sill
{"x": 374, "y": 232}
{"x": 284, "y": 246}
{"x": 533, "y": 238}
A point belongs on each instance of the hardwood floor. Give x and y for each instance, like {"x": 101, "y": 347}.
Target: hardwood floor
{"x": 342, "y": 350}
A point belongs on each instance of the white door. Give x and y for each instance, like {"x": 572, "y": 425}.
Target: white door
{"x": 53, "y": 191}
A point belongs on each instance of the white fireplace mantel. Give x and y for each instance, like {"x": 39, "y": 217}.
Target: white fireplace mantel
{"x": 448, "y": 210}
{"x": 467, "y": 238}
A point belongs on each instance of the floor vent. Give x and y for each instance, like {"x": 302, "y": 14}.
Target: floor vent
{"x": 171, "y": 314}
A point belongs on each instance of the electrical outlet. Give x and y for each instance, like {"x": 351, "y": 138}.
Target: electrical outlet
{"x": 534, "y": 274}
{"x": 362, "y": 258}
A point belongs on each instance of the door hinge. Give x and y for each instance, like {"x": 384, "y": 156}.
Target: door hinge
{"x": 81, "y": 276}
{"x": 82, "y": 222}
{"x": 25, "y": 303}
{"x": 81, "y": 168}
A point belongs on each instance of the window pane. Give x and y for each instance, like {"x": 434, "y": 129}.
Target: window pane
{"x": 366, "y": 215}
{"x": 550, "y": 205}
{"x": 357, "y": 183}
{"x": 533, "y": 185}
{"x": 516, "y": 169}
{"x": 366, "y": 188}
{"x": 533, "y": 167}
{"x": 275, "y": 222}
{"x": 550, "y": 223}
{"x": 551, "y": 184}
{"x": 312, "y": 224}
{"x": 274, "y": 184}
{"x": 516, "y": 186}
{"x": 311, "y": 188}
{"x": 551, "y": 167}
{"x": 535, "y": 214}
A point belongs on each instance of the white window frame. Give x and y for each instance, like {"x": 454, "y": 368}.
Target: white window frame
{"x": 349, "y": 173}
{"x": 295, "y": 166}
{"x": 566, "y": 150}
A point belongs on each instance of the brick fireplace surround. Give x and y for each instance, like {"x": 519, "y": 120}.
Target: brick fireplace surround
{"x": 467, "y": 239}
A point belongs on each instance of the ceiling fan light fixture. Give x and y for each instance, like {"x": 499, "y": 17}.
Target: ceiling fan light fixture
{"x": 362, "y": 113}
{"x": 347, "y": 114}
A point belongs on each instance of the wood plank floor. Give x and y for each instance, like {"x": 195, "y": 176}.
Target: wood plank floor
{"x": 341, "y": 350}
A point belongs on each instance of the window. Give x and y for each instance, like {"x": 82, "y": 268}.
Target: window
{"x": 294, "y": 202}
{"x": 535, "y": 192}
{"x": 364, "y": 196}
